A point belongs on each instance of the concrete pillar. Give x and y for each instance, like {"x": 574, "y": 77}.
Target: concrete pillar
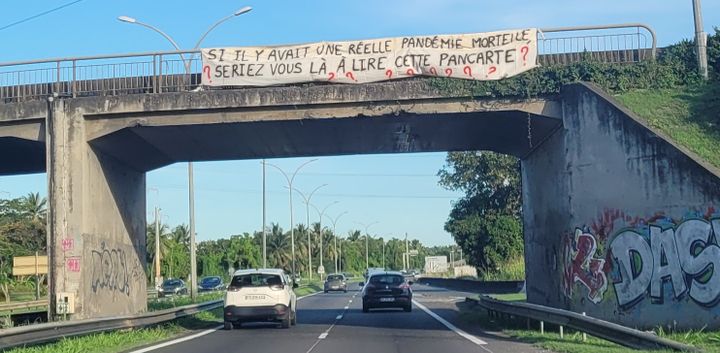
{"x": 96, "y": 223}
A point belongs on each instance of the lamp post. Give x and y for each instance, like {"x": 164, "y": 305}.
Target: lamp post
{"x": 307, "y": 209}
{"x": 290, "y": 189}
{"x": 320, "y": 214}
{"x": 334, "y": 222}
{"x": 367, "y": 258}
{"x": 191, "y": 182}
{"x": 700, "y": 40}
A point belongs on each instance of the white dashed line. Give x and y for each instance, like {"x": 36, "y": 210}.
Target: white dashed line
{"x": 452, "y": 327}
{"x": 339, "y": 317}
{"x": 183, "y": 339}
{"x": 346, "y": 307}
{"x": 323, "y": 336}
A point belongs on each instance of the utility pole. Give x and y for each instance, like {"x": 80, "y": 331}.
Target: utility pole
{"x": 700, "y": 40}
{"x": 157, "y": 246}
{"x": 407, "y": 253}
{"x": 334, "y": 222}
{"x": 367, "y": 242}
{"x": 264, "y": 228}
{"x": 193, "y": 260}
{"x": 320, "y": 215}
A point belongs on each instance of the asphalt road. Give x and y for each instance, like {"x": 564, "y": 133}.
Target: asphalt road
{"x": 334, "y": 322}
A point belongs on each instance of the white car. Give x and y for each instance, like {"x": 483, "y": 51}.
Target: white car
{"x": 262, "y": 295}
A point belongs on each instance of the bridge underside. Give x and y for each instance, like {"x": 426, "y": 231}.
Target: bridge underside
{"x": 590, "y": 169}
{"x": 146, "y": 148}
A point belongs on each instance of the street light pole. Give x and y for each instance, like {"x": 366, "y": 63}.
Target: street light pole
{"x": 191, "y": 196}
{"x": 700, "y": 40}
{"x": 321, "y": 213}
{"x": 290, "y": 189}
{"x": 307, "y": 211}
{"x": 264, "y": 228}
{"x": 334, "y": 222}
{"x": 367, "y": 242}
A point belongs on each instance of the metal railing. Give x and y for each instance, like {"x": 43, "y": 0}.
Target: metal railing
{"x": 177, "y": 71}
{"x": 48, "y": 332}
{"x": 619, "y": 334}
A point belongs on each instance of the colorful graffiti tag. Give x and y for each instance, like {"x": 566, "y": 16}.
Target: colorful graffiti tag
{"x": 653, "y": 258}
{"x": 581, "y": 266}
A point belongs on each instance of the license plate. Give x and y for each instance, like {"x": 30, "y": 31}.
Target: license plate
{"x": 387, "y": 300}
{"x": 254, "y": 297}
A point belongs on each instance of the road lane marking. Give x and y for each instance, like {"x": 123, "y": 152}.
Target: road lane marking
{"x": 346, "y": 307}
{"x": 450, "y": 326}
{"x": 179, "y": 340}
{"x": 197, "y": 335}
{"x": 339, "y": 317}
{"x": 322, "y": 336}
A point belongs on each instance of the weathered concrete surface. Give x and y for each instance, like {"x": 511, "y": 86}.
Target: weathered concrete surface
{"x": 96, "y": 222}
{"x": 629, "y": 227}
{"x": 100, "y": 147}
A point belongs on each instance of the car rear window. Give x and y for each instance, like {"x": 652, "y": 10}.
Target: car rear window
{"x": 256, "y": 280}
{"x": 387, "y": 279}
{"x": 335, "y": 278}
{"x": 211, "y": 281}
{"x": 172, "y": 282}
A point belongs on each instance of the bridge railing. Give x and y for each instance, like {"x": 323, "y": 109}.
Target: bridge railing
{"x": 177, "y": 71}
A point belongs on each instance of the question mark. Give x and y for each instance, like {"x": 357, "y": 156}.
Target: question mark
{"x": 433, "y": 71}
{"x": 410, "y": 72}
{"x": 525, "y": 50}
{"x": 449, "y": 72}
{"x": 388, "y": 73}
{"x": 332, "y": 76}
{"x": 206, "y": 70}
{"x": 467, "y": 70}
{"x": 350, "y": 76}
{"x": 492, "y": 70}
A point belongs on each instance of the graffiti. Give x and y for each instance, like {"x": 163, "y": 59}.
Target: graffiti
{"x": 582, "y": 266}
{"x": 73, "y": 264}
{"x": 68, "y": 244}
{"x": 110, "y": 270}
{"x": 686, "y": 256}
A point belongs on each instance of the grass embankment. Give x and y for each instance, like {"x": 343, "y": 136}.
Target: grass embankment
{"x": 688, "y": 115}
{"x": 572, "y": 342}
{"x": 120, "y": 341}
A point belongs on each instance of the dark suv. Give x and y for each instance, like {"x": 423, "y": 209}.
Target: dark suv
{"x": 387, "y": 290}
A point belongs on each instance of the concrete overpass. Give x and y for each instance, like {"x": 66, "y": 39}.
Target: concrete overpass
{"x": 585, "y": 157}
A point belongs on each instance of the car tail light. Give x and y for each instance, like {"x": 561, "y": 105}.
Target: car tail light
{"x": 404, "y": 286}
{"x": 233, "y": 289}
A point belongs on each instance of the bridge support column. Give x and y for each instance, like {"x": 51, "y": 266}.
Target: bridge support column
{"x": 96, "y": 223}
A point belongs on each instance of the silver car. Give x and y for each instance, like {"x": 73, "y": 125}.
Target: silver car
{"x": 335, "y": 282}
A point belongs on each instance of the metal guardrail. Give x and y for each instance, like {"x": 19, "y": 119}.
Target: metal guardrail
{"x": 473, "y": 286}
{"x": 11, "y": 307}
{"x": 619, "y": 334}
{"x": 176, "y": 71}
{"x": 48, "y": 332}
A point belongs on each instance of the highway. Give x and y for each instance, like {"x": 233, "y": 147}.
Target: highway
{"x": 334, "y": 322}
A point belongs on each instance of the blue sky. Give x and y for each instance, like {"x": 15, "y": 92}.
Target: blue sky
{"x": 398, "y": 191}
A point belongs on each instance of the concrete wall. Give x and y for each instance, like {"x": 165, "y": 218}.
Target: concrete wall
{"x": 97, "y": 222}
{"x": 635, "y": 241}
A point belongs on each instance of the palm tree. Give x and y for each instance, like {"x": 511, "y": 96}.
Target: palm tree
{"x": 34, "y": 207}
{"x": 278, "y": 244}
{"x": 354, "y": 235}
{"x": 150, "y": 244}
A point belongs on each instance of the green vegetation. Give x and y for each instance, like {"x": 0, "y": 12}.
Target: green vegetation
{"x": 690, "y": 115}
{"x": 486, "y": 222}
{"x": 510, "y": 297}
{"x": 172, "y": 302}
{"x": 121, "y": 341}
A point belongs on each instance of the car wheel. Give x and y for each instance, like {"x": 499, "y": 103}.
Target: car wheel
{"x": 365, "y": 308}
{"x": 237, "y": 324}
{"x": 326, "y": 291}
{"x": 293, "y": 321}
{"x": 285, "y": 323}
{"x": 408, "y": 308}
{"x": 228, "y": 325}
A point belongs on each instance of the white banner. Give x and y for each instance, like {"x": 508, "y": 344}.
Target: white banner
{"x": 480, "y": 56}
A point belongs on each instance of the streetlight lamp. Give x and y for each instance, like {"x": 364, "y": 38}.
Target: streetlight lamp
{"x": 307, "y": 208}
{"x": 334, "y": 222}
{"x": 321, "y": 213}
{"x": 191, "y": 183}
{"x": 367, "y": 261}
{"x": 290, "y": 189}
